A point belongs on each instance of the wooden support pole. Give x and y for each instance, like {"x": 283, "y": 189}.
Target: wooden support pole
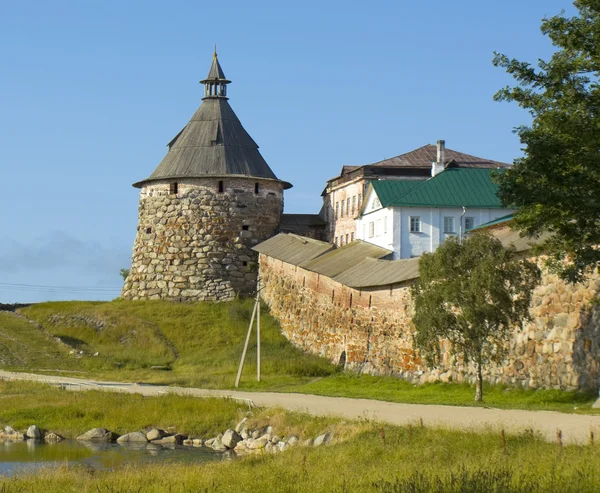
{"x": 241, "y": 367}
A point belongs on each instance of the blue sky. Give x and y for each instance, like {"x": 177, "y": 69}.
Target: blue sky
{"x": 92, "y": 91}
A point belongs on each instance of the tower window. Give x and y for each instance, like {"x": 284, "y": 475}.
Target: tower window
{"x": 148, "y": 231}
{"x": 173, "y": 188}
{"x": 245, "y": 227}
{"x": 221, "y": 188}
{"x": 256, "y": 188}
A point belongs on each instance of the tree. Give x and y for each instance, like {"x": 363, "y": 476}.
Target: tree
{"x": 472, "y": 294}
{"x": 124, "y": 273}
{"x": 556, "y": 184}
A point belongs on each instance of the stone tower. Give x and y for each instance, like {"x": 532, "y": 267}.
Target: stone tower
{"x": 210, "y": 200}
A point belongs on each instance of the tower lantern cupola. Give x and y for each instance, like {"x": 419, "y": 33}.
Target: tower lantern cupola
{"x": 215, "y": 84}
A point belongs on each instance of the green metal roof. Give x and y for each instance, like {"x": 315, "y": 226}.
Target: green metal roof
{"x": 388, "y": 190}
{"x": 454, "y": 187}
{"x": 500, "y": 220}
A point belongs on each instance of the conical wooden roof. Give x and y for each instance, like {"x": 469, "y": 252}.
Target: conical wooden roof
{"x": 213, "y": 144}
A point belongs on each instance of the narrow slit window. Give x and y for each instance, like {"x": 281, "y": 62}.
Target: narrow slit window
{"x": 256, "y": 188}
{"x": 173, "y": 188}
{"x": 221, "y": 188}
{"x": 148, "y": 231}
{"x": 245, "y": 227}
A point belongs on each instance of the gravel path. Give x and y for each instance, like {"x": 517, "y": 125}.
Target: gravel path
{"x": 574, "y": 428}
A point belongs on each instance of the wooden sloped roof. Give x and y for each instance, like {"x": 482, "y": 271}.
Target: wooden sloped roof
{"x": 213, "y": 143}
{"x": 423, "y": 156}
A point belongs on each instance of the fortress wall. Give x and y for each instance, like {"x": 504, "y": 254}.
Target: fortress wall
{"x": 370, "y": 331}
{"x": 196, "y": 244}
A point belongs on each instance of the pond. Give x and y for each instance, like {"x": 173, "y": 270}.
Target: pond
{"x": 23, "y": 456}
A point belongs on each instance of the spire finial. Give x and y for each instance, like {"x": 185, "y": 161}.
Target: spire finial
{"x": 215, "y": 53}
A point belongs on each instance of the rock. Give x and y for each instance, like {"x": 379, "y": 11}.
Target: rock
{"x": 98, "y": 435}
{"x": 218, "y": 446}
{"x": 269, "y": 430}
{"x": 197, "y": 442}
{"x": 52, "y": 437}
{"x": 240, "y": 448}
{"x": 275, "y": 439}
{"x": 255, "y": 434}
{"x": 34, "y": 432}
{"x": 176, "y": 439}
{"x": 9, "y": 430}
{"x": 282, "y": 446}
{"x": 307, "y": 443}
{"x": 244, "y": 433}
{"x": 322, "y": 439}
{"x": 240, "y": 426}
{"x": 155, "y": 434}
{"x": 136, "y": 436}
{"x": 209, "y": 442}
{"x": 189, "y": 442}
{"x": 293, "y": 440}
{"x": 258, "y": 443}
{"x": 231, "y": 438}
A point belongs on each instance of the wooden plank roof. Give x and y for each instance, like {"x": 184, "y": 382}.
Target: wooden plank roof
{"x": 213, "y": 143}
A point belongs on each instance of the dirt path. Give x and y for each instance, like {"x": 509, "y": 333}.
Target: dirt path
{"x": 574, "y": 428}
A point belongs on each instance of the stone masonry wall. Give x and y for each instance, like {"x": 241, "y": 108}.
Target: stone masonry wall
{"x": 370, "y": 331}
{"x": 196, "y": 244}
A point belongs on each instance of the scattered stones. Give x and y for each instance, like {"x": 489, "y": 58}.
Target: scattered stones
{"x": 98, "y": 435}
{"x": 241, "y": 425}
{"x": 176, "y": 439}
{"x": 322, "y": 439}
{"x": 218, "y": 445}
{"x": 292, "y": 440}
{"x": 136, "y": 436}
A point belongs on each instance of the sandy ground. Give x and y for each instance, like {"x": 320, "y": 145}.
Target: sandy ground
{"x": 574, "y": 428}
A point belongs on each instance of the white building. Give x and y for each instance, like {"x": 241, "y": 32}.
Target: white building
{"x": 414, "y": 217}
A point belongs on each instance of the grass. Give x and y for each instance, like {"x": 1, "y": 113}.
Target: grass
{"x": 364, "y": 456}
{"x": 199, "y": 345}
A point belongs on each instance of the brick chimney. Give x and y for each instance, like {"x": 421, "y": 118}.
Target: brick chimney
{"x": 437, "y": 166}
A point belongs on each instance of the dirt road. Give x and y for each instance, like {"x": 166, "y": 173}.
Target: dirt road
{"x": 574, "y": 428}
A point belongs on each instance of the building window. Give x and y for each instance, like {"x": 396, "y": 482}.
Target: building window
{"x": 347, "y": 236}
{"x": 221, "y": 187}
{"x": 245, "y": 227}
{"x": 415, "y": 224}
{"x": 351, "y": 236}
{"x": 348, "y": 207}
{"x": 341, "y": 240}
{"x": 449, "y": 225}
{"x": 354, "y": 205}
{"x": 336, "y": 240}
{"x": 359, "y": 199}
{"x": 337, "y": 210}
{"x": 469, "y": 223}
{"x": 148, "y": 231}
{"x": 371, "y": 229}
{"x": 173, "y": 188}
{"x": 342, "y": 208}
{"x": 256, "y": 188}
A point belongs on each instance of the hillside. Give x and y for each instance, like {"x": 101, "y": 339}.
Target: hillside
{"x": 152, "y": 341}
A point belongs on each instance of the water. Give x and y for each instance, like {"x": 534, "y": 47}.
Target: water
{"x": 23, "y": 456}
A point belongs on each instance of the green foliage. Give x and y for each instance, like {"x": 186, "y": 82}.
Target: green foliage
{"x": 124, "y": 273}
{"x": 471, "y": 293}
{"x": 555, "y": 185}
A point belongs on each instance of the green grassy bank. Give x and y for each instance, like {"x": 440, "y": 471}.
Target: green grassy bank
{"x": 364, "y": 456}
{"x": 200, "y": 344}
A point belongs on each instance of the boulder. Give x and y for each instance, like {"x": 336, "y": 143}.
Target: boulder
{"x": 231, "y": 438}
{"x": 98, "y": 435}
{"x": 259, "y": 443}
{"x": 209, "y": 442}
{"x": 322, "y": 439}
{"x": 244, "y": 433}
{"x": 293, "y": 440}
{"x": 176, "y": 439}
{"x": 136, "y": 436}
{"x": 241, "y": 425}
{"x": 197, "y": 442}
{"x": 9, "y": 430}
{"x": 275, "y": 439}
{"x": 218, "y": 446}
{"x": 282, "y": 446}
{"x": 33, "y": 432}
{"x": 52, "y": 437}
{"x": 155, "y": 434}
{"x": 189, "y": 442}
